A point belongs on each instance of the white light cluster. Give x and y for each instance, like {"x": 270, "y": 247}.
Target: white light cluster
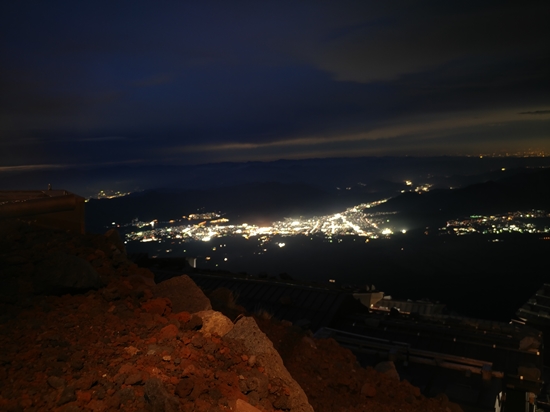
{"x": 513, "y": 222}
{"x": 353, "y": 221}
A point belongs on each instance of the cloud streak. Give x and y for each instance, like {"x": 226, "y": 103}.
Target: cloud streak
{"x": 413, "y": 39}
{"x": 414, "y": 129}
{"x": 537, "y": 112}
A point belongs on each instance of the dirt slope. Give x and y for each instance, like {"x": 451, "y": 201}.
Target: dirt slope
{"x": 121, "y": 346}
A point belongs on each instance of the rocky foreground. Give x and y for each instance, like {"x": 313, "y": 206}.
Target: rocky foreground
{"x": 84, "y": 329}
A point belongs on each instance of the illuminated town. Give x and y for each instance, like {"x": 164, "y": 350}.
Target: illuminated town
{"x": 353, "y": 221}
{"x": 110, "y": 194}
{"x": 418, "y": 189}
{"x": 532, "y": 222}
{"x": 521, "y": 153}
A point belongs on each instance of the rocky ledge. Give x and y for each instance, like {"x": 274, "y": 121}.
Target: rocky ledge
{"x": 84, "y": 329}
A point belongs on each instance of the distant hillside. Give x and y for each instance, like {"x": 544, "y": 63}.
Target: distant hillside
{"x": 529, "y": 189}
{"x": 265, "y": 202}
{"x": 327, "y": 173}
{"x": 253, "y": 202}
{"x": 462, "y": 180}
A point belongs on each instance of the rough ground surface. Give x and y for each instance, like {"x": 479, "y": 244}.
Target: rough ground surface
{"x": 121, "y": 346}
{"x": 334, "y": 381}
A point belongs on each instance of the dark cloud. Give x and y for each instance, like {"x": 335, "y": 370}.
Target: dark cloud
{"x": 423, "y": 37}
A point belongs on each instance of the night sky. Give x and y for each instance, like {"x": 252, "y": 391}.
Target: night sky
{"x": 180, "y": 82}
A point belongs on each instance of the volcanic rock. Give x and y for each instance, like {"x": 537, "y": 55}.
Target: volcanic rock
{"x": 241, "y": 406}
{"x": 184, "y": 294}
{"x": 388, "y": 369}
{"x": 56, "y": 382}
{"x": 113, "y": 238}
{"x": 68, "y": 395}
{"x": 126, "y": 347}
{"x": 214, "y": 322}
{"x": 248, "y": 334}
{"x": 158, "y": 398}
{"x": 254, "y": 380}
{"x": 368, "y": 390}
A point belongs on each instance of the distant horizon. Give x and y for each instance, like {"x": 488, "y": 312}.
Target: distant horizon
{"x": 89, "y": 180}
{"x": 141, "y": 163}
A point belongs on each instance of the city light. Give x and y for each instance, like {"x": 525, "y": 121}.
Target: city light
{"x": 512, "y": 222}
{"x": 354, "y": 221}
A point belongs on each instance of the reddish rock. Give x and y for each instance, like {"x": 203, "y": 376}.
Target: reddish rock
{"x": 115, "y": 349}
{"x": 56, "y": 382}
{"x": 96, "y": 405}
{"x": 158, "y": 306}
{"x": 185, "y": 387}
{"x": 182, "y": 317}
{"x": 185, "y": 295}
{"x": 133, "y": 379}
{"x": 158, "y": 397}
{"x": 168, "y": 332}
{"x": 368, "y": 390}
{"x": 214, "y": 322}
{"x": 83, "y": 396}
{"x": 241, "y": 406}
{"x": 254, "y": 381}
{"x": 86, "y": 382}
{"x": 195, "y": 323}
{"x": 388, "y": 369}
{"x": 67, "y": 395}
{"x": 247, "y": 334}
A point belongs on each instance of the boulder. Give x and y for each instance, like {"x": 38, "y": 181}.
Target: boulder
{"x": 368, "y": 390}
{"x": 254, "y": 381}
{"x": 247, "y": 334}
{"x": 158, "y": 306}
{"x": 184, "y": 294}
{"x": 158, "y": 397}
{"x": 242, "y": 406}
{"x": 113, "y": 237}
{"x": 387, "y": 368}
{"x": 214, "y": 322}
{"x": 168, "y": 332}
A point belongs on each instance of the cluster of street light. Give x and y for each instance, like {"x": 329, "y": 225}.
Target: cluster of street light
{"x": 354, "y": 221}
{"x": 110, "y": 194}
{"x": 512, "y": 222}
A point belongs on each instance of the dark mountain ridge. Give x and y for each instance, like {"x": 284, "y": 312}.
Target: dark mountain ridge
{"x": 528, "y": 189}
{"x": 88, "y": 180}
{"x": 252, "y": 202}
{"x": 264, "y": 202}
